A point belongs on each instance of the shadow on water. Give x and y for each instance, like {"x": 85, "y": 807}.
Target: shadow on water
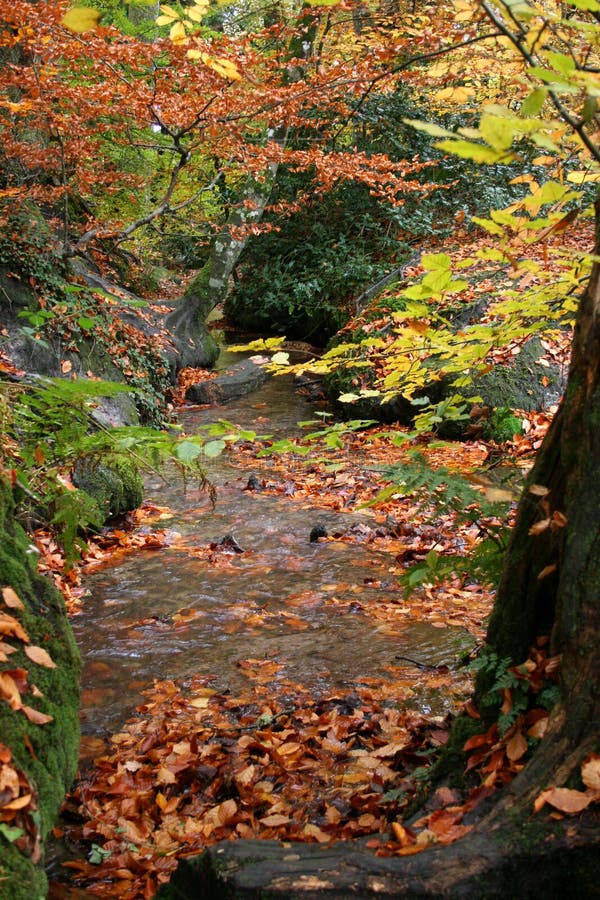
{"x": 184, "y": 609}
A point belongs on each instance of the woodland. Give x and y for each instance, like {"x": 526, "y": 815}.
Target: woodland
{"x": 392, "y": 210}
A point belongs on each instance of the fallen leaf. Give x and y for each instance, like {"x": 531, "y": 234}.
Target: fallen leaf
{"x": 35, "y": 716}
{"x": 12, "y": 599}
{"x": 590, "y": 773}
{"x": 40, "y": 656}
{"x": 566, "y": 800}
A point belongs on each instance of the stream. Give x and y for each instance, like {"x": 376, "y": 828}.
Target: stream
{"x": 196, "y": 607}
{"x": 172, "y": 612}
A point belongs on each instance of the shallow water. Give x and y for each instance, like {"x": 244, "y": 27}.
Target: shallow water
{"x": 186, "y": 610}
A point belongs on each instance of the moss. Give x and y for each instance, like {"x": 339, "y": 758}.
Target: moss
{"x": 47, "y": 754}
{"x": 453, "y": 758}
{"x": 502, "y": 425}
{"x": 113, "y": 482}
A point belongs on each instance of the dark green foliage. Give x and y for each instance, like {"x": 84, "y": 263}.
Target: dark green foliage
{"x": 302, "y": 281}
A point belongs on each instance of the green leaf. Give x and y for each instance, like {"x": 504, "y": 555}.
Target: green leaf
{"x": 11, "y": 834}
{"x": 477, "y": 152}
{"x": 213, "y": 449}
{"x": 436, "y": 261}
{"x": 561, "y": 63}
{"x": 187, "y": 451}
{"x": 429, "y": 128}
{"x": 496, "y": 132}
{"x": 533, "y": 103}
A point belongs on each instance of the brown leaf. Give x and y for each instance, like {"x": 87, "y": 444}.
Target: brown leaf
{"x": 539, "y": 527}
{"x": 274, "y": 821}
{"x": 566, "y": 800}
{"x": 12, "y": 600}
{"x": 40, "y": 656}
{"x": 516, "y": 747}
{"x": 590, "y": 772}
{"x": 35, "y": 716}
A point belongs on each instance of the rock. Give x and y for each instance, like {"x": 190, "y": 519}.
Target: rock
{"x": 113, "y": 481}
{"x": 238, "y": 381}
{"x": 523, "y": 384}
{"x": 319, "y": 531}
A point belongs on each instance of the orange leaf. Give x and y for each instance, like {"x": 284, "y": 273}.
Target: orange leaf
{"x": 566, "y": 800}
{"x": 590, "y": 772}
{"x": 40, "y": 656}
{"x": 9, "y": 691}
{"x": 35, "y": 716}
{"x": 12, "y": 600}
{"x": 11, "y": 626}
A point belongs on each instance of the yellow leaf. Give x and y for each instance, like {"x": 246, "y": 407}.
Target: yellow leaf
{"x": 169, "y": 11}
{"x": 178, "y": 34}
{"x": 164, "y": 20}
{"x": 194, "y": 54}
{"x": 197, "y": 12}
{"x": 221, "y": 66}
{"x": 80, "y": 19}
{"x": 40, "y": 656}
{"x": 455, "y": 95}
{"x": 12, "y": 600}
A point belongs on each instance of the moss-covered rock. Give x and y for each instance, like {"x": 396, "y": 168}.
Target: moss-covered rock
{"x": 44, "y": 755}
{"x": 113, "y": 482}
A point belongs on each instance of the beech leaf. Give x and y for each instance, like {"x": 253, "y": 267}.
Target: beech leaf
{"x": 12, "y": 599}
{"x": 40, "y": 656}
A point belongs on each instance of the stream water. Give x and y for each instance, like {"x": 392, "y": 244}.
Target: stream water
{"x": 176, "y": 611}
